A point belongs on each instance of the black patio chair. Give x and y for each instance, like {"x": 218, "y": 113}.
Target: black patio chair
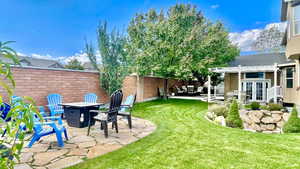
{"x": 109, "y": 116}
{"x": 126, "y": 109}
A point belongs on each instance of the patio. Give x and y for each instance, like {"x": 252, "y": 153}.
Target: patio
{"x": 47, "y": 154}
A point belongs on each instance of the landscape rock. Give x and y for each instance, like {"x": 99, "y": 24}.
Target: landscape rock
{"x": 264, "y": 121}
{"x": 220, "y": 120}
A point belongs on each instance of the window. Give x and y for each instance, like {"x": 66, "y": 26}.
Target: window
{"x": 297, "y": 20}
{"x": 289, "y": 78}
{"x": 255, "y": 75}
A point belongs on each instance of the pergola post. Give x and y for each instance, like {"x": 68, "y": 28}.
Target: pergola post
{"x": 275, "y": 83}
{"x": 209, "y": 88}
{"x": 240, "y": 84}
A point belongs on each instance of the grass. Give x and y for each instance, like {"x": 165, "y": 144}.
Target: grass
{"x": 184, "y": 139}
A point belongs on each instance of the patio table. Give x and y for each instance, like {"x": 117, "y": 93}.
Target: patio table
{"x": 77, "y": 114}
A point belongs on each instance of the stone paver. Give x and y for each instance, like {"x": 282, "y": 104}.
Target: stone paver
{"x": 22, "y": 166}
{"x": 87, "y": 144}
{"x": 44, "y": 158}
{"x": 102, "y": 149}
{"x": 66, "y": 162}
{"x": 46, "y": 154}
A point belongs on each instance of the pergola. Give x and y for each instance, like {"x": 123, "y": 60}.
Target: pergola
{"x": 245, "y": 69}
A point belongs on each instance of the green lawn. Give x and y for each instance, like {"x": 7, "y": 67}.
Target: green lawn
{"x": 184, "y": 139}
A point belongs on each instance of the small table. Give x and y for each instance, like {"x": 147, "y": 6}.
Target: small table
{"x": 77, "y": 114}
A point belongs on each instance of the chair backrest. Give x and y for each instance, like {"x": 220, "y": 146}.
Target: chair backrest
{"x": 116, "y": 101}
{"x": 4, "y": 109}
{"x": 15, "y": 100}
{"x": 130, "y": 100}
{"x": 54, "y": 99}
{"x": 90, "y": 98}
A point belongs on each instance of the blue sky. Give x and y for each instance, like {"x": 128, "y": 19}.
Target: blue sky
{"x": 55, "y": 28}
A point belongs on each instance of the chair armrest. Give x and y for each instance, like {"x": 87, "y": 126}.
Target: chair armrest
{"x": 126, "y": 105}
{"x": 44, "y": 123}
{"x": 56, "y": 118}
{"x": 98, "y": 111}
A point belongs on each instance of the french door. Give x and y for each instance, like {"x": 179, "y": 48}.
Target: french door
{"x": 256, "y": 90}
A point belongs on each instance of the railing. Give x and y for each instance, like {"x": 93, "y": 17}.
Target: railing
{"x": 271, "y": 95}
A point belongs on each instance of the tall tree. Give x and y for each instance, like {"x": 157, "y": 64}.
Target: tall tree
{"x": 114, "y": 62}
{"x": 181, "y": 43}
{"x": 269, "y": 40}
{"x": 74, "y": 64}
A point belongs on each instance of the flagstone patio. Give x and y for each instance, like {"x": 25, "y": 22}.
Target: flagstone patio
{"x": 46, "y": 153}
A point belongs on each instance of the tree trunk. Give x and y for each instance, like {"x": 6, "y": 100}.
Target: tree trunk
{"x": 165, "y": 89}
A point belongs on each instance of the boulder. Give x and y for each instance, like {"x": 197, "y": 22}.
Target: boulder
{"x": 286, "y": 116}
{"x": 276, "y": 112}
{"x": 267, "y": 127}
{"x": 254, "y": 118}
{"x": 210, "y": 115}
{"x": 255, "y": 127}
{"x": 267, "y": 120}
{"x": 280, "y": 124}
{"x": 220, "y": 120}
{"x": 276, "y": 117}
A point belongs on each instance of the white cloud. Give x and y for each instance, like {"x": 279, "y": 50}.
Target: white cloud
{"x": 245, "y": 39}
{"x": 215, "y": 6}
{"x": 81, "y": 56}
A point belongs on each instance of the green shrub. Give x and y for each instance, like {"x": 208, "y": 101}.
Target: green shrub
{"x": 219, "y": 110}
{"x": 275, "y": 107}
{"x": 264, "y": 107}
{"x": 293, "y": 124}
{"x": 233, "y": 119}
{"x": 254, "y": 106}
{"x": 247, "y": 106}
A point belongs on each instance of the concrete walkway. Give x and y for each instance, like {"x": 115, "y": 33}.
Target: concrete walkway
{"x": 46, "y": 153}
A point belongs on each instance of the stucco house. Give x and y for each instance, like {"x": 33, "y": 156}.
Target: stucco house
{"x": 253, "y": 76}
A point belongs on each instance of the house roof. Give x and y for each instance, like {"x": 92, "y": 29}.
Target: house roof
{"x": 263, "y": 59}
{"x": 35, "y": 62}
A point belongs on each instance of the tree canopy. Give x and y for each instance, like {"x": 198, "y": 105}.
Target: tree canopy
{"x": 114, "y": 64}
{"x": 74, "y": 64}
{"x": 179, "y": 43}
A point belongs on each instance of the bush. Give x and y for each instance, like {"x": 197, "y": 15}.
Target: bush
{"x": 254, "y": 106}
{"x": 293, "y": 124}
{"x": 219, "y": 110}
{"x": 264, "y": 107}
{"x": 233, "y": 119}
{"x": 275, "y": 107}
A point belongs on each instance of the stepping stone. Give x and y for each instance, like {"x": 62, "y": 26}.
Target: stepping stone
{"x": 26, "y": 157}
{"x": 78, "y": 152}
{"x": 22, "y": 166}
{"x": 42, "y": 159}
{"x": 36, "y": 148}
{"x": 102, "y": 149}
{"x": 65, "y": 162}
{"x": 80, "y": 139}
{"x": 86, "y": 144}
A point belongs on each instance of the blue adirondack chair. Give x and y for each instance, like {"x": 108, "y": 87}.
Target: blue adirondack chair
{"x": 54, "y": 101}
{"x": 51, "y": 125}
{"x": 90, "y": 98}
{"x": 126, "y": 108}
{"x": 4, "y": 109}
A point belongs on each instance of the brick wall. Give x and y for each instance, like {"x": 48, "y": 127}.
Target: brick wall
{"x": 72, "y": 85}
{"x": 129, "y": 86}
